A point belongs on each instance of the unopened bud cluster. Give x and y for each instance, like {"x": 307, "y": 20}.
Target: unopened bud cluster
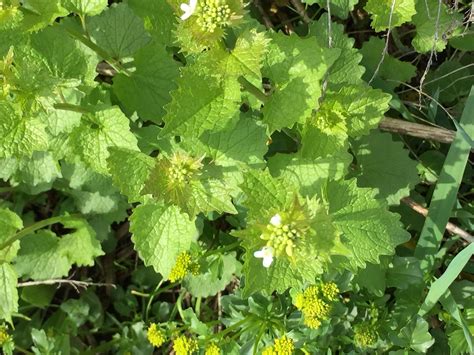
{"x": 365, "y": 335}
{"x": 213, "y": 14}
{"x": 316, "y": 303}
{"x": 282, "y": 237}
{"x": 182, "y": 169}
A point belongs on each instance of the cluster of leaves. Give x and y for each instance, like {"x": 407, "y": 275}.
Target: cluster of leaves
{"x": 202, "y": 143}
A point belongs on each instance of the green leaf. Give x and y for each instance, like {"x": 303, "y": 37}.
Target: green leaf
{"x": 382, "y": 16}
{"x": 39, "y": 258}
{"x": 432, "y": 31}
{"x": 146, "y": 90}
{"x": 8, "y": 292}
{"x": 445, "y": 193}
{"x": 392, "y": 181}
{"x": 417, "y": 334}
{"x": 38, "y": 172}
{"x": 86, "y": 7}
{"x": 10, "y": 223}
{"x": 452, "y": 80}
{"x": 208, "y": 188}
{"x": 368, "y": 229}
{"x": 81, "y": 247}
{"x": 118, "y": 31}
{"x": 97, "y": 133}
{"x": 160, "y": 234}
{"x": 130, "y": 170}
{"x": 464, "y": 41}
{"x": 245, "y": 143}
{"x": 217, "y": 272}
{"x": 159, "y": 19}
{"x": 264, "y": 194}
{"x": 194, "y": 110}
{"x": 44, "y": 255}
{"x": 391, "y": 73}
{"x": 295, "y": 66}
{"x": 309, "y": 173}
{"x": 339, "y": 8}
{"x": 281, "y": 276}
{"x": 20, "y": 135}
{"x": 346, "y": 68}
{"x": 41, "y": 13}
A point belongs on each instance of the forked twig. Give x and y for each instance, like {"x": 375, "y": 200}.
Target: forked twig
{"x": 74, "y": 283}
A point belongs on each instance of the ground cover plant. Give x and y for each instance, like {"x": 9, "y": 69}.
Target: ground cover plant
{"x": 223, "y": 177}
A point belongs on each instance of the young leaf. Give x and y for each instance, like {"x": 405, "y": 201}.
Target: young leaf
{"x": 9, "y": 224}
{"x": 8, "y": 292}
{"x": 86, "y": 7}
{"x": 295, "y": 66}
{"x": 367, "y": 227}
{"x": 118, "y": 31}
{"x": 98, "y": 132}
{"x": 389, "y": 14}
{"x": 160, "y": 234}
{"x": 435, "y": 23}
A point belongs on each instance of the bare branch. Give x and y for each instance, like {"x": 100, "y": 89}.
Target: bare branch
{"x": 301, "y": 10}
{"x": 450, "y": 227}
{"x": 74, "y": 283}
{"x": 393, "y": 125}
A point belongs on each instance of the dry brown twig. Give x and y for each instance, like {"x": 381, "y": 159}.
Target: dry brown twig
{"x": 450, "y": 227}
{"x": 74, "y": 283}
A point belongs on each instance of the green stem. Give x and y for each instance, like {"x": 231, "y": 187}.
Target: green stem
{"x": 179, "y": 304}
{"x": 251, "y": 88}
{"x": 221, "y": 250}
{"x": 71, "y": 107}
{"x": 156, "y": 291}
{"x": 33, "y": 228}
{"x": 6, "y": 189}
{"x": 102, "y": 53}
{"x": 197, "y": 308}
{"x": 229, "y": 329}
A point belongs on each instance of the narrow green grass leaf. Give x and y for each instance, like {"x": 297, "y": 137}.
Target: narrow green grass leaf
{"x": 439, "y": 287}
{"x": 446, "y": 190}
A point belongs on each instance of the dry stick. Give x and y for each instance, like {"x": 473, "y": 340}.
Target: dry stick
{"x": 73, "y": 283}
{"x": 450, "y": 227}
{"x": 385, "y": 49}
{"x": 265, "y": 18}
{"x": 393, "y": 125}
{"x": 433, "y": 48}
{"x": 301, "y": 10}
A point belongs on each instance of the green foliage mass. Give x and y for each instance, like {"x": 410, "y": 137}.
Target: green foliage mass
{"x": 190, "y": 172}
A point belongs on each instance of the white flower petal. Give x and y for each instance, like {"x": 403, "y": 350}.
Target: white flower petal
{"x": 267, "y": 261}
{"x": 188, "y": 9}
{"x": 259, "y": 254}
{"x": 276, "y": 220}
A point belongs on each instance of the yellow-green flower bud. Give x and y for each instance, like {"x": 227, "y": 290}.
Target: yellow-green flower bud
{"x": 330, "y": 291}
{"x": 155, "y": 335}
{"x": 184, "y": 345}
{"x": 183, "y": 266}
{"x": 4, "y": 336}
{"x": 365, "y": 335}
{"x": 212, "y": 349}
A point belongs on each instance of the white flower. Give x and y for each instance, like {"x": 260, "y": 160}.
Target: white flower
{"x": 266, "y": 254}
{"x": 276, "y": 220}
{"x": 188, "y": 9}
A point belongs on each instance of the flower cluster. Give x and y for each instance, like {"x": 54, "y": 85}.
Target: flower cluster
{"x": 316, "y": 303}
{"x": 213, "y": 14}
{"x": 184, "y": 345}
{"x": 284, "y": 234}
{"x": 183, "y": 266}
{"x": 282, "y": 346}
{"x": 4, "y": 336}
{"x": 212, "y": 349}
{"x": 182, "y": 169}
{"x": 155, "y": 335}
{"x": 365, "y": 335}
{"x": 281, "y": 236}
